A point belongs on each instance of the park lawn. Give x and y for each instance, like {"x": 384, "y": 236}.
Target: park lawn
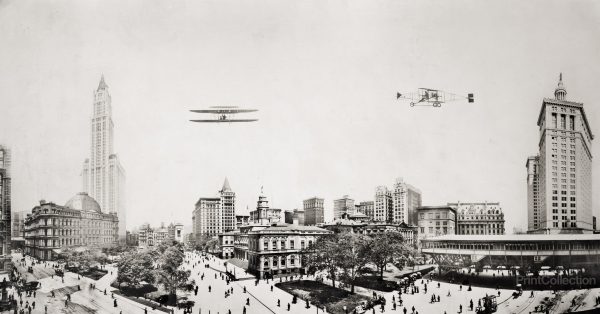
{"x": 322, "y": 295}
{"x": 375, "y": 283}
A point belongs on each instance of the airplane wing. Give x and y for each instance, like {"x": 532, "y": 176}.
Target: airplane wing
{"x": 223, "y": 111}
{"x": 223, "y": 121}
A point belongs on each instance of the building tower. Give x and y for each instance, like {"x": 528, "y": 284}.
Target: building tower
{"x": 562, "y": 168}
{"x": 227, "y": 206}
{"x": 103, "y": 176}
{"x": 5, "y": 211}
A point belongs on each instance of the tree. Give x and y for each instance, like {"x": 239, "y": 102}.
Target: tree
{"x": 168, "y": 273}
{"x": 134, "y": 268}
{"x": 324, "y": 254}
{"x": 354, "y": 255}
{"x": 384, "y": 248}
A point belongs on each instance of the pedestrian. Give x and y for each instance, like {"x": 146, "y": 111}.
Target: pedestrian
{"x": 248, "y": 301}
{"x": 115, "y": 303}
{"x": 288, "y": 307}
{"x": 278, "y": 303}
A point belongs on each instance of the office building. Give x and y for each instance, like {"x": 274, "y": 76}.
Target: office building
{"x": 436, "y": 221}
{"x": 406, "y": 200}
{"x": 383, "y": 205}
{"x": 343, "y": 205}
{"x": 314, "y": 212}
{"x": 103, "y": 176}
{"x": 562, "y": 171}
{"x": 214, "y": 215}
{"x": 367, "y": 208}
{"x": 478, "y": 218}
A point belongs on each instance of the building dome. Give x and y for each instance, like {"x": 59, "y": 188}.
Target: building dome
{"x": 82, "y": 201}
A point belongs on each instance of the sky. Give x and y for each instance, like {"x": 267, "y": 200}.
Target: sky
{"x": 323, "y": 75}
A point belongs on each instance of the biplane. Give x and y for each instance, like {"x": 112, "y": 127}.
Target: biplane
{"x": 432, "y": 97}
{"x": 224, "y": 114}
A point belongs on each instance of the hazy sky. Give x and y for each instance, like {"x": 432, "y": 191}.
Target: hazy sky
{"x": 323, "y": 74}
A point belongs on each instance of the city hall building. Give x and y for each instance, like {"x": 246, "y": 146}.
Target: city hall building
{"x": 277, "y": 249}
{"x": 80, "y": 223}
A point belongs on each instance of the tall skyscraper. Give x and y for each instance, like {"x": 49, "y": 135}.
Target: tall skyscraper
{"x": 214, "y": 215}
{"x": 314, "y": 212}
{"x": 406, "y": 200}
{"x": 5, "y": 211}
{"x": 344, "y": 205}
{"x": 227, "y": 206}
{"x": 103, "y": 176}
{"x": 562, "y": 168}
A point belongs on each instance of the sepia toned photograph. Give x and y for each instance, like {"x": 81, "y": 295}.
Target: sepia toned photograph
{"x": 273, "y": 157}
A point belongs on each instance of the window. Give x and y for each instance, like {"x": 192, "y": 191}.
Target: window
{"x": 291, "y": 244}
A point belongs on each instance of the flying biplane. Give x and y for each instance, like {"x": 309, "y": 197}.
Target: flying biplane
{"x": 224, "y": 114}
{"x": 432, "y": 97}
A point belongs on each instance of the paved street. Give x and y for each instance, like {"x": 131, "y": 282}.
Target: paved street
{"x": 261, "y": 298}
{"x": 86, "y": 300}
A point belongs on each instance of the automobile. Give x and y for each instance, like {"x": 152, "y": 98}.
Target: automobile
{"x": 59, "y": 272}
{"x": 545, "y": 268}
{"x": 487, "y": 267}
{"x": 30, "y": 269}
{"x": 501, "y": 267}
{"x": 515, "y": 267}
{"x": 560, "y": 268}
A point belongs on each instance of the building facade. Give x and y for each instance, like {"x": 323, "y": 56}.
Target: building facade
{"x": 406, "y": 200}
{"x": 103, "y": 176}
{"x": 367, "y": 208}
{"x": 343, "y": 205}
{"x": 241, "y": 220}
{"x": 80, "y": 222}
{"x": 176, "y": 232}
{"x": 18, "y": 224}
{"x": 314, "y": 211}
{"x": 227, "y": 207}
{"x": 277, "y": 249}
{"x": 563, "y": 168}
{"x": 206, "y": 219}
{"x": 383, "y": 205}
{"x": 214, "y": 215}
{"x": 533, "y": 193}
{"x": 5, "y": 210}
{"x": 436, "y": 221}
{"x": 478, "y": 218}
{"x": 296, "y": 216}
{"x": 409, "y": 233}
